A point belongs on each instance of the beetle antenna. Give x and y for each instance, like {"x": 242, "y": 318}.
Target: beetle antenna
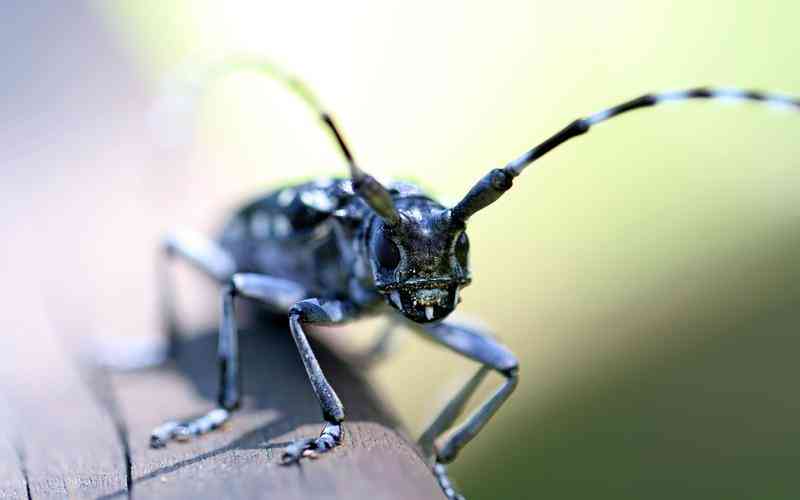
{"x": 498, "y": 181}
{"x": 365, "y": 185}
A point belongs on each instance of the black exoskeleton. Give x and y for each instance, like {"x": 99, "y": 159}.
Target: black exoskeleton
{"x": 332, "y": 250}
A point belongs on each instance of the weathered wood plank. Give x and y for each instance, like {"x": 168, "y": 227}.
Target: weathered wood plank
{"x": 376, "y": 461}
{"x": 12, "y": 477}
{"x": 66, "y": 441}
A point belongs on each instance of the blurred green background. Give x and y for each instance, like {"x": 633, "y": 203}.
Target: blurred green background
{"x": 646, "y": 274}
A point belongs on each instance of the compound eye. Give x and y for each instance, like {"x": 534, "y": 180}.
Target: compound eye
{"x": 387, "y": 252}
{"x": 462, "y": 249}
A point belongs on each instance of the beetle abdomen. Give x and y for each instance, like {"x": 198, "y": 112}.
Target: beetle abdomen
{"x": 288, "y": 233}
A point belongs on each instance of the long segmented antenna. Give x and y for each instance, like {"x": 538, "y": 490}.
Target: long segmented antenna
{"x": 365, "y": 185}
{"x": 498, "y": 181}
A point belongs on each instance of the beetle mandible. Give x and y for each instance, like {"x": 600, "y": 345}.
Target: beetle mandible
{"x": 332, "y": 250}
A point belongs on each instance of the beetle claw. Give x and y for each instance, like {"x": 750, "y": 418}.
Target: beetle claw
{"x": 312, "y": 448}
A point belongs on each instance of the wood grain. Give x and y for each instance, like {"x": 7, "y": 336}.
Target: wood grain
{"x": 376, "y": 460}
{"x": 64, "y": 441}
{"x": 13, "y": 484}
{"x": 72, "y": 431}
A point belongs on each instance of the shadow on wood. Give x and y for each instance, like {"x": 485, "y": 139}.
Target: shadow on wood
{"x": 376, "y": 460}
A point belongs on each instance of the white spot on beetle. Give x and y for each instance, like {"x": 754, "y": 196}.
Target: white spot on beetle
{"x": 281, "y": 226}
{"x": 415, "y": 213}
{"x": 333, "y": 311}
{"x": 286, "y": 196}
{"x": 317, "y": 199}
{"x": 599, "y": 117}
{"x": 729, "y": 94}
{"x": 672, "y": 96}
{"x": 780, "y": 102}
{"x": 260, "y": 223}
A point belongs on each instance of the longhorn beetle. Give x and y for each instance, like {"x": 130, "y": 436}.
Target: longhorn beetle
{"x": 332, "y": 250}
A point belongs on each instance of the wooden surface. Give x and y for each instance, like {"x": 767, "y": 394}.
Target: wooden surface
{"x": 73, "y": 431}
{"x": 375, "y": 461}
{"x": 66, "y": 445}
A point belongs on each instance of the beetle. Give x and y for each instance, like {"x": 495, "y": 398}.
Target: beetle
{"x": 332, "y": 250}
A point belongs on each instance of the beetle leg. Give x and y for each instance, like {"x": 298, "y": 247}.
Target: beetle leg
{"x": 451, "y": 411}
{"x": 321, "y": 312}
{"x": 481, "y": 347}
{"x": 202, "y": 253}
{"x": 277, "y": 294}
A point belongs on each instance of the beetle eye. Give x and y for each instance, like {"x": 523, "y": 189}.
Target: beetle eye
{"x": 387, "y": 252}
{"x": 462, "y": 249}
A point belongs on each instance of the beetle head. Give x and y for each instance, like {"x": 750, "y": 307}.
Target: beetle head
{"x": 420, "y": 262}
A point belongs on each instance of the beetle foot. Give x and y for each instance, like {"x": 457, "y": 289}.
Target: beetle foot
{"x": 330, "y": 438}
{"x": 184, "y": 431}
{"x": 440, "y": 471}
